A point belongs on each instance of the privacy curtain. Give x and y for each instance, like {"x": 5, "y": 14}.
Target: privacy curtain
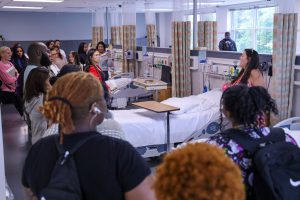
{"x": 181, "y": 76}
{"x": 116, "y": 35}
{"x": 150, "y": 27}
{"x": 129, "y": 35}
{"x": 151, "y": 35}
{"x": 98, "y": 23}
{"x": 97, "y": 35}
{"x": 208, "y": 35}
{"x": 284, "y": 53}
{"x": 129, "y": 43}
{"x": 116, "y": 27}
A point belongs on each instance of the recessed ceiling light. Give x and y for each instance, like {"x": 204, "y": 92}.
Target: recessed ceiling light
{"x": 42, "y": 1}
{"x": 22, "y": 7}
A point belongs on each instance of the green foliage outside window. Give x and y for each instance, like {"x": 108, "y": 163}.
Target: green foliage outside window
{"x": 253, "y": 28}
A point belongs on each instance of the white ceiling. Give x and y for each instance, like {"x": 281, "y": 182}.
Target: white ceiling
{"x": 92, "y": 5}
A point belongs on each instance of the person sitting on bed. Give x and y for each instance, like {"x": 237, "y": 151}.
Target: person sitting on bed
{"x": 108, "y": 168}
{"x": 92, "y": 66}
{"x": 198, "y": 171}
{"x": 250, "y": 74}
{"x": 246, "y": 108}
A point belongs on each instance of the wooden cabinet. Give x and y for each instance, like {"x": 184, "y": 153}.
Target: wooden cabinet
{"x": 161, "y": 95}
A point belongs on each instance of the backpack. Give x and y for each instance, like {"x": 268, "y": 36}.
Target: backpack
{"x": 64, "y": 182}
{"x": 276, "y": 164}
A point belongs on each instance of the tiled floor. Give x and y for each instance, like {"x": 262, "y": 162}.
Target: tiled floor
{"x": 16, "y": 148}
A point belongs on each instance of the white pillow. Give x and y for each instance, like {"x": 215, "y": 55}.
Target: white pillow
{"x": 205, "y": 105}
{"x": 212, "y": 97}
{"x": 185, "y": 104}
{"x": 118, "y": 83}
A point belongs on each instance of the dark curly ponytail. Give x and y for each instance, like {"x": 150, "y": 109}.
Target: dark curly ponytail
{"x": 246, "y": 105}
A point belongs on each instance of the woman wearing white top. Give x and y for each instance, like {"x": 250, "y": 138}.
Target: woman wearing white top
{"x": 105, "y": 59}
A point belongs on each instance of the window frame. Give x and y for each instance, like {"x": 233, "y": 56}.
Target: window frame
{"x": 254, "y": 29}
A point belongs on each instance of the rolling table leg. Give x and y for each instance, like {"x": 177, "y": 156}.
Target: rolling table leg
{"x": 168, "y": 132}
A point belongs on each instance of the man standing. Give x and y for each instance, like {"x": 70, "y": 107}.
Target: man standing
{"x": 38, "y": 57}
{"x": 227, "y": 44}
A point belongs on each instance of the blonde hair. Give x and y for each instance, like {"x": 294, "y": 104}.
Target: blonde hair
{"x": 4, "y": 48}
{"x": 70, "y": 96}
{"x": 201, "y": 172}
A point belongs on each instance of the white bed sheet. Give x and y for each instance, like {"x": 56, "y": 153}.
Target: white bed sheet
{"x": 144, "y": 128}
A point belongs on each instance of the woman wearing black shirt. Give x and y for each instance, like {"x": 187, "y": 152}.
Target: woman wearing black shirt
{"x": 108, "y": 168}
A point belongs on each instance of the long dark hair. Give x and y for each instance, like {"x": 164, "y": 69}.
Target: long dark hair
{"x": 89, "y": 61}
{"x": 76, "y": 58}
{"x": 35, "y": 83}
{"x": 253, "y": 63}
{"x": 245, "y": 104}
{"x": 48, "y": 43}
{"x": 15, "y": 53}
{"x": 81, "y": 48}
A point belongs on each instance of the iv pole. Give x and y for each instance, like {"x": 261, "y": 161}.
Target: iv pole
{"x": 152, "y": 44}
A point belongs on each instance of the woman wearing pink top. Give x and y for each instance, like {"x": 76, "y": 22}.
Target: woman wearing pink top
{"x": 8, "y": 77}
{"x": 250, "y": 74}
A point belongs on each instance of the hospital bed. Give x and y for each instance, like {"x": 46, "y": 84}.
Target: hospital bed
{"x": 198, "y": 117}
{"x": 122, "y": 89}
{"x": 291, "y": 127}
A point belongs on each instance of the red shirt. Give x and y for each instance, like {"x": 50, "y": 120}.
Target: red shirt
{"x": 98, "y": 75}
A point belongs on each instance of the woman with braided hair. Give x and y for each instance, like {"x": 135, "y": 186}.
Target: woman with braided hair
{"x": 246, "y": 108}
{"x": 108, "y": 168}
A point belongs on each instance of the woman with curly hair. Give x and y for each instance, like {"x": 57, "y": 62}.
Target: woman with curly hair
{"x": 198, "y": 171}
{"x": 246, "y": 108}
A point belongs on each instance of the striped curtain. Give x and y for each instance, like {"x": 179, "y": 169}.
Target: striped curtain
{"x": 208, "y": 35}
{"x": 284, "y": 53}
{"x": 116, "y": 35}
{"x": 113, "y": 35}
{"x": 151, "y": 35}
{"x": 129, "y": 43}
{"x": 181, "y": 76}
{"x": 97, "y": 35}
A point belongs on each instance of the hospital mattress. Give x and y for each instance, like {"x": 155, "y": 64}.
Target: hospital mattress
{"x": 198, "y": 117}
{"x": 144, "y": 128}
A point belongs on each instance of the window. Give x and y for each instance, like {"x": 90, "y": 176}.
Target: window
{"x": 253, "y": 28}
{"x": 200, "y": 17}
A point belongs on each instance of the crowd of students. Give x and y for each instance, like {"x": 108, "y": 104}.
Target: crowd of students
{"x": 74, "y": 96}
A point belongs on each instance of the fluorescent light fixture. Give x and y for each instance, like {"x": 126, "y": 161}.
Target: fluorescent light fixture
{"x": 159, "y": 9}
{"x": 206, "y": 3}
{"x": 42, "y": 1}
{"x": 22, "y": 7}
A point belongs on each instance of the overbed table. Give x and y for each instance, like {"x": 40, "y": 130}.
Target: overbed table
{"x": 157, "y": 107}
